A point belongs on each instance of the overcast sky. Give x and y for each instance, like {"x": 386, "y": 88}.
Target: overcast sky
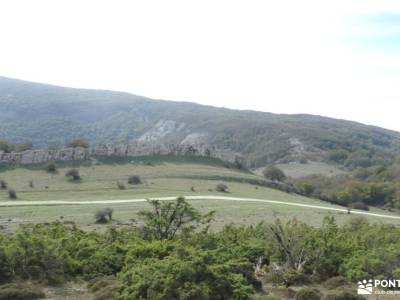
{"x": 333, "y": 58}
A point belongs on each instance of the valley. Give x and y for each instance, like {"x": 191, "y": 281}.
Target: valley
{"x": 103, "y": 195}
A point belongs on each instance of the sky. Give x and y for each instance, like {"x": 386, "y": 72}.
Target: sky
{"x": 334, "y": 58}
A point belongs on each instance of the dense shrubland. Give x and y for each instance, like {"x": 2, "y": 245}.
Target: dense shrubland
{"x": 141, "y": 263}
{"x": 375, "y": 186}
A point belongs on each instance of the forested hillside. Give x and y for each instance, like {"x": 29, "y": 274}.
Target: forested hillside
{"x": 49, "y": 115}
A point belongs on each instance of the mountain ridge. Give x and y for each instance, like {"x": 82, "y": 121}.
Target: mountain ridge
{"x": 194, "y": 103}
{"x": 48, "y": 114}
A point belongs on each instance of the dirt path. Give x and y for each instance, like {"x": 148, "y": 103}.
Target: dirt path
{"x": 88, "y": 202}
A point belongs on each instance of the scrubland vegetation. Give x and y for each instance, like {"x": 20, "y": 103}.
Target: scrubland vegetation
{"x": 203, "y": 249}
{"x": 372, "y": 186}
{"x": 273, "y": 235}
{"x": 166, "y": 258}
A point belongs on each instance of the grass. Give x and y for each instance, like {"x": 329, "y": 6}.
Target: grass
{"x": 297, "y": 170}
{"x": 160, "y": 179}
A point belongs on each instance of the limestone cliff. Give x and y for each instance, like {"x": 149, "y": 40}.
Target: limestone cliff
{"x": 120, "y": 150}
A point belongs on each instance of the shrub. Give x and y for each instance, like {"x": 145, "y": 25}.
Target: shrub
{"x": 221, "y": 187}
{"x": 108, "y": 292}
{"x": 335, "y": 282}
{"x": 134, "y": 179}
{"x": 104, "y": 288}
{"x": 78, "y": 143}
{"x": 167, "y": 218}
{"x": 308, "y": 294}
{"x": 337, "y": 156}
{"x": 287, "y": 278}
{"x": 303, "y": 160}
{"x": 51, "y": 167}
{"x": 104, "y": 215}
{"x": 6, "y": 147}
{"x": 273, "y": 173}
{"x": 307, "y": 188}
{"x": 359, "y": 205}
{"x": 18, "y": 291}
{"x": 3, "y": 184}
{"x": 23, "y": 147}
{"x": 73, "y": 174}
{"x": 120, "y": 185}
{"x": 344, "y": 296}
{"x": 12, "y": 194}
{"x": 187, "y": 273}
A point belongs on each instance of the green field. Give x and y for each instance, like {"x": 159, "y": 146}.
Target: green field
{"x": 297, "y": 170}
{"x": 160, "y": 178}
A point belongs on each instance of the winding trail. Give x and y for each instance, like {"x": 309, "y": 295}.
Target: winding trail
{"x": 88, "y": 202}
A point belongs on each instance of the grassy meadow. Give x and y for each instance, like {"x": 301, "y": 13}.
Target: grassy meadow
{"x": 160, "y": 177}
{"x": 296, "y": 170}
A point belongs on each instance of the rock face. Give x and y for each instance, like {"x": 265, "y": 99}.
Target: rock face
{"x": 192, "y": 145}
{"x": 160, "y": 130}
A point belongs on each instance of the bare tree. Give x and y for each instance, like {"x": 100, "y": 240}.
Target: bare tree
{"x": 168, "y": 217}
{"x": 290, "y": 244}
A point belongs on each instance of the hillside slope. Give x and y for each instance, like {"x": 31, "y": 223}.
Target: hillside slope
{"x": 48, "y": 115}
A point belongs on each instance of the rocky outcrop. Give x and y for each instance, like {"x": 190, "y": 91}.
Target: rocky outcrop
{"x": 161, "y": 130}
{"x": 193, "y": 145}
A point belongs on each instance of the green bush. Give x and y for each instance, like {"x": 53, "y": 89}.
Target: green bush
{"x": 308, "y": 294}
{"x": 78, "y": 143}
{"x": 105, "y": 288}
{"x": 20, "y": 291}
{"x": 307, "y": 188}
{"x": 337, "y": 156}
{"x": 51, "y": 167}
{"x": 108, "y": 292}
{"x": 6, "y": 147}
{"x": 134, "y": 179}
{"x": 197, "y": 264}
{"x": 273, "y": 173}
{"x": 3, "y": 184}
{"x": 104, "y": 215}
{"x": 221, "y": 187}
{"x": 335, "y": 282}
{"x": 12, "y": 194}
{"x": 73, "y": 174}
{"x": 187, "y": 273}
{"x": 359, "y": 205}
{"x": 120, "y": 185}
{"x": 23, "y": 147}
{"x": 344, "y": 296}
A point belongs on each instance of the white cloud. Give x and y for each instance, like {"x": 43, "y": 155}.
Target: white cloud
{"x": 279, "y": 56}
